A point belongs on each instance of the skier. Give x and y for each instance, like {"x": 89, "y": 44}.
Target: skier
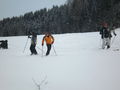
{"x": 49, "y": 39}
{"x": 105, "y": 35}
{"x": 33, "y": 43}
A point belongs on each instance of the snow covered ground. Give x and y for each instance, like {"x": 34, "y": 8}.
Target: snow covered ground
{"x": 80, "y": 64}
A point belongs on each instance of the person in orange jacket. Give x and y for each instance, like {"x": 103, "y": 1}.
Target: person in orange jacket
{"x": 49, "y": 39}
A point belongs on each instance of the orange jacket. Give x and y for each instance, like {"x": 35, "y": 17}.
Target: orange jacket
{"x": 48, "y": 39}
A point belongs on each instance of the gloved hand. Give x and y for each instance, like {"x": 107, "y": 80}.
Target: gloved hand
{"x": 115, "y": 34}
{"x": 29, "y": 36}
{"x": 42, "y": 44}
{"x": 52, "y": 42}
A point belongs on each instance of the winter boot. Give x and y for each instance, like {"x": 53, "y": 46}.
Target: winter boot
{"x": 108, "y": 47}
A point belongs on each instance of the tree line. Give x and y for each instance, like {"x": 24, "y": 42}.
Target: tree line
{"x": 72, "y": 17}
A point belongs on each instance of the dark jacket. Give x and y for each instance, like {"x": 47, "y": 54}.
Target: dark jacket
{"x": 105, "y": 33}
{"x": 33, "y": 39}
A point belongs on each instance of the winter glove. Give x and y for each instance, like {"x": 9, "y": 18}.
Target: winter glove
{"x": 115, "y": 34}
{"x": 52, "y": 42}
{"x": 42, "y": 44}
{"x": 29, "y": 37}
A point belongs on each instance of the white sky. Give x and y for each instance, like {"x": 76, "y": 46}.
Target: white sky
{"x": 10, "y": 8}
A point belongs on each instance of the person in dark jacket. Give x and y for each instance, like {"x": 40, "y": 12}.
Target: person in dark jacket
{"x": 105, "y": 35}
{"x": 49, "y": 39}
{"x": 33, "y": 43}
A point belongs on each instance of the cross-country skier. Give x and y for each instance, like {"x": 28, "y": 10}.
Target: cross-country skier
{"x": 33, "y": 43}
{"x": 105, "y": 35}
{"x": 49, "y": 39}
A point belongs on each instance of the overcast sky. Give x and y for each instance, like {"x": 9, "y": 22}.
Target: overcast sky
{"x": 10, "y": 8}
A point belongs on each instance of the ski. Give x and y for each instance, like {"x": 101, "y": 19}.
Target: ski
{"x": 116, "y": 50}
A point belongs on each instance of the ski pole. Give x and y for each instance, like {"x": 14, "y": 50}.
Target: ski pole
{"x": 100, "y": 42}
{"x": 25, "y": 45}
{"x": 54, "y": 50}
{"x": 113, "y": 40}
{"x": 42, "y": 51}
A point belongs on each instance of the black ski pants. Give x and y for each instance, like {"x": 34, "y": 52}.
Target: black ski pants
{"x": 32, "y": 49}
{"x": 48, "y": 49}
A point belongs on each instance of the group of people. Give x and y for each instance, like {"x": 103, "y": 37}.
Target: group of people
{"x": 106, "y": 35}
{"x": 48, "y": 38}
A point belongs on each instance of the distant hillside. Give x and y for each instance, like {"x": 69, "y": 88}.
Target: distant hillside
{"x": 74, "y": 16}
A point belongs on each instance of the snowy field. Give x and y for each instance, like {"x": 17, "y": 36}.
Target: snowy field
{"x": 80, "y": 64}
